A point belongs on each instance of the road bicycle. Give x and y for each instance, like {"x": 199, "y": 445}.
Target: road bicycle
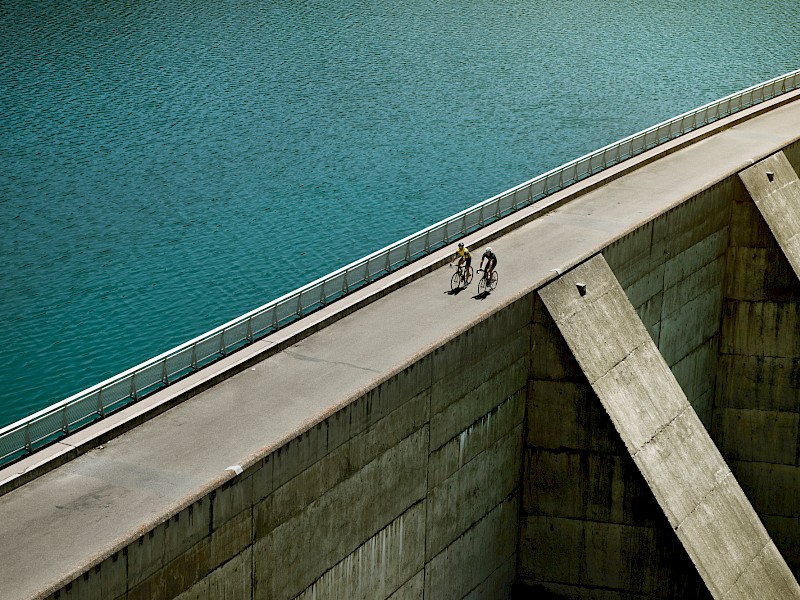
{"x": 461, "y": 278}
{"x": 486, "y": 284}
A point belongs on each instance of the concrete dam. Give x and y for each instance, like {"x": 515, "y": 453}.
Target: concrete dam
{"x": 618, "y": 419}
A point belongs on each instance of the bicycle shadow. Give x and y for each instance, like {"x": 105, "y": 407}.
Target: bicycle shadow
{"x": 456, "y": 291}
{"x": 481, "y": 295}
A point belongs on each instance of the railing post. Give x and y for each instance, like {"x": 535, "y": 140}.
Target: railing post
{"x": 101, "y": 409}
{"x": 299, "y": 310}
{"x": 28, "y": 445}
{"x": 345, "y": 284}
{"x": 134, "y": 393}
{"x": 222, "y": 349}
{"x": 250, "y": 330}
{"x": 194, "y": 356}
{"x": 64, "y": 424}
{"x": 322, "y": 298}
{"x": 164, "y": 375}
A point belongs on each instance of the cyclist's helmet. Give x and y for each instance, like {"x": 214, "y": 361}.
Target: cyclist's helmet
{"x": 460, "y": 244}
{"x": 489, "y": 249}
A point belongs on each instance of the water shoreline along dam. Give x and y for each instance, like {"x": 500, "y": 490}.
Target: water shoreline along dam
{"x": 618, "y": 419}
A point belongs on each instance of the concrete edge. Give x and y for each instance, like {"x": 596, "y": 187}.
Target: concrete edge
{"x": 104, "y": 430}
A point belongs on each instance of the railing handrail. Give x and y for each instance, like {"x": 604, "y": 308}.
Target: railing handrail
{"x": 611, "y": 155}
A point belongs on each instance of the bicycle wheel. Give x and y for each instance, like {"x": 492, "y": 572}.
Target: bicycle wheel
{"x": 493, "y": 282}
{"x": 482, "y": 285}
{"x": 469, "y": 273}
{"x": 455, "y": 280}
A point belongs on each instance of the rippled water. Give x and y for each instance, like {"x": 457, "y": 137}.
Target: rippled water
{"x": 170, "y": 165}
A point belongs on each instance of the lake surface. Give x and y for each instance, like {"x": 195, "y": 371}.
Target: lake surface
{"x": 170, "y": 165}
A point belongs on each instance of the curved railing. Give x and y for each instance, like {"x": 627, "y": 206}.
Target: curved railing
{"x": 45, "y": 426}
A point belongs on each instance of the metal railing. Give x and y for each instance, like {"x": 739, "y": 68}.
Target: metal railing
{"x": 26, "y": 436}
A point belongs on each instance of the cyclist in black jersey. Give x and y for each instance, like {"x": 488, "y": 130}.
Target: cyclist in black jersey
{"x": 491, "y": 261}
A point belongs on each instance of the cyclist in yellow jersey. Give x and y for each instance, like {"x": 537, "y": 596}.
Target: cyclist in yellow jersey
{"x": 463, "y": 255}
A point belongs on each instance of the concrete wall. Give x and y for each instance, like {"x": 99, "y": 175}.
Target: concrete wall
{"x": 671, "y": 270}
{"x": 757, "y": 408}
{"x": 586, "y": 506}
{"x": 489, "y": 469}
{"x": 590, "y": 526}
{"x": 410, "y": 491}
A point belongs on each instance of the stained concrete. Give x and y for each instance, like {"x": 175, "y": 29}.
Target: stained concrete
{"x": 688, "y": 476}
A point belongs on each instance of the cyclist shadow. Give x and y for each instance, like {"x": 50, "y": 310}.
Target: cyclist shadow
{"x": 455, "y": 291}
{"x": 481, "y": 295}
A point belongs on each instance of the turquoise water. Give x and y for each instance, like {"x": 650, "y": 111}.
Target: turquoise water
{"x": 170, "y": 165}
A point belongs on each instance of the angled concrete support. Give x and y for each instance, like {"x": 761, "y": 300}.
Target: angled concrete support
{"x": 774, "y": 187}
{"x": 689, "y": 478}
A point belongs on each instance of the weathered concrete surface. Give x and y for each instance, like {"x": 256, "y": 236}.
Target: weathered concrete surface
{"x": 408, "y": 388}
{"x": 757, "y": 400}
{"x": 774, "y": 187}
{"x": 694, "y": 486}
